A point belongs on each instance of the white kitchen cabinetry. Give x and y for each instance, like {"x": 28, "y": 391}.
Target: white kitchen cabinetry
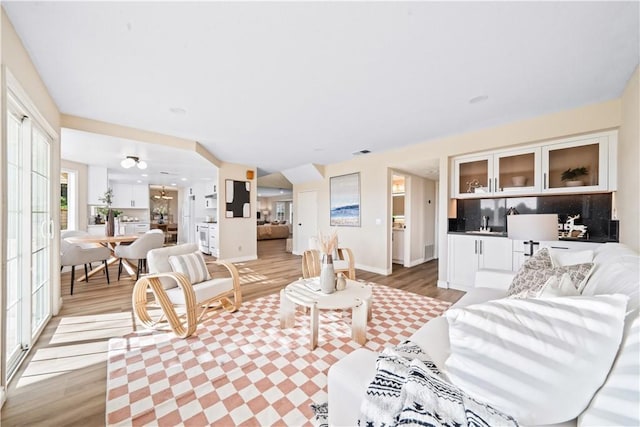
{"x": 397, "y": 252}
{"x": 210, "y": 202}
{"x": 213, "y": 239}
{"x": 97, "y": 230}
{"x": 470, "y": 253}
{"x": 128, "y": 229}
{"x": 521, "y": 249}
{"x": 537, "y": 169}
{"x": 127, "y": 196}
{"x": 97, "y": 184}
{"x": 592, "y": 153}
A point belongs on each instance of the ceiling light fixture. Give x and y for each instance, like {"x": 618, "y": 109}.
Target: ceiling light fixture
{"x": 162, "y": 195}
{"x": 131, "y": 161}
{"x": 361, "y": 152}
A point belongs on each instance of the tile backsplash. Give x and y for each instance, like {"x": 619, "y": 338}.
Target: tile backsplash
{"x": 594, "y": 210}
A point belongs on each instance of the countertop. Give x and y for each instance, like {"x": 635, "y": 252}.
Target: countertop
{"x": 503, "y": 234}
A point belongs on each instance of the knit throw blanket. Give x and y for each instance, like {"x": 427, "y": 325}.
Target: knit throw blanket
{"x": 408, "y": 389}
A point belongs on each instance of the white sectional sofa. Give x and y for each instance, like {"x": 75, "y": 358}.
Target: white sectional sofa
{"x": 616, "y": 271}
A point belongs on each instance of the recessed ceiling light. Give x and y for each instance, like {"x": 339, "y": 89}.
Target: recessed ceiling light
{"x": 139, "y": 181}
{"x": 174, "y": 184}
{"x": 145, "y": 175}
{"x": 178, "y": 110}
{"x": 478, "y": 99}
{"x": 183, "y": 179}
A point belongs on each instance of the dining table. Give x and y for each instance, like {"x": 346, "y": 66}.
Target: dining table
{"x": 110, "y": 242}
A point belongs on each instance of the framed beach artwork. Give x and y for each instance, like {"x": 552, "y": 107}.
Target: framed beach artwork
{"x": 237, "y": 199}
{"x": 345, "y": 200}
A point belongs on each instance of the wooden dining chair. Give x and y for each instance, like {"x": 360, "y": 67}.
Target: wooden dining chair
{"x": 344, "y": 262}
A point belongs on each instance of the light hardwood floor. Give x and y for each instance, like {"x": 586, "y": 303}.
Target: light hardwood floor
{"x": 63, "y": 381}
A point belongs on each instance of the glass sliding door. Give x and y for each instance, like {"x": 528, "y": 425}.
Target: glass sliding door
{"x": 29, "y": 232}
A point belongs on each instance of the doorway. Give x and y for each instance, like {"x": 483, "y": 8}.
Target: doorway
{"x": 307, "y": 220}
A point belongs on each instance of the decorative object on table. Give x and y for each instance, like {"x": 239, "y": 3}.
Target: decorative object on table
{"x": 341, "y": 282}
{"x": 160, "y": 210}
{"x": 570, "y": 177}
{"x": 237, "y": 199}
{"x": 110, "y": 229}
{"x": 530, "y": 227}
{"x": 519, "y": 181}
{"x": 327, "y": 243}
{"x": 513, "y": 211}
{"x": 345, "y": 200}
{"x": 131, "y": 161}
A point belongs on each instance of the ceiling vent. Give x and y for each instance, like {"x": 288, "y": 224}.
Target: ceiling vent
{"x": 361, "y": 152}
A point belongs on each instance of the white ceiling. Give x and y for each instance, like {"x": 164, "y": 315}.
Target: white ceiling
{"x": 166, "y": 166}
{"x": 279, "y": 85}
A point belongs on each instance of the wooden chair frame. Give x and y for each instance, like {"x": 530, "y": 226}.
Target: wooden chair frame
{"x": 311, "y": 263}
{"x": 183, "y": 326}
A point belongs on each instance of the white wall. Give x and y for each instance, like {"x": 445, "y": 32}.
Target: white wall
{"x": 238, "y": 236}
{"x": 627, "y": 197}
{"x": 81, "y": 171}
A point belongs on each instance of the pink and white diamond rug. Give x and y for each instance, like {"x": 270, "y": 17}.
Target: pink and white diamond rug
{"x": 242, "y": 369}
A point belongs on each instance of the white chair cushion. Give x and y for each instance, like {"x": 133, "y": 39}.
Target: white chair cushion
{"x": 191, "y": 265}
{"x": 562, "y": 257}
{"x": 523, "y": 356}
{"x": 617, "y": 403}
{"x": 203, "y": 290}
{"x": 559, "y": 287}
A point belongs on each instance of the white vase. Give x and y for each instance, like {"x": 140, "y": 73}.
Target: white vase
{"x": 327, "y": 275}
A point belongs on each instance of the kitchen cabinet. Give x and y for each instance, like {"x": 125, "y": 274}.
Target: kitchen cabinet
{"x": 470, "y": 253}
{"x": 127, "y": 196}
{"x": 97, "y": 230}
{"x": 210, "y": 202}
{"x": 521, "y": 248}
{"x": 132, "y": 228}
{"x": 213, "y": 239}
{"x": 591, "y": 153}
{"x": 513, "y": 172}
{"x": 537, "y": 169}
{"x": 397, "y": 247}
{"x": 97, "y": 184}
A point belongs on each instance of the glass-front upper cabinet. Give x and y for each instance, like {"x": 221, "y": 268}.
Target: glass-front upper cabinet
{"x": 576, "y": 165}
{"x": 473, "y": 176}
{"x": 517, "y": 171}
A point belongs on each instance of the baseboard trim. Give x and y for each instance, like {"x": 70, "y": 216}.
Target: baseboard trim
{"x": 416, "y": 262}
{"x": 382, "y": 271}
{"x": 443, "y": 284}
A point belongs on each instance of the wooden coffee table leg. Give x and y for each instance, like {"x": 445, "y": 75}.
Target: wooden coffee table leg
{"x": 359, "y": 316}
{"x": 313, "y": 318}
{"x": 287, "y": 311}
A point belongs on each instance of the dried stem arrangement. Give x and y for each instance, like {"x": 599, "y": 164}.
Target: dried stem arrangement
{"x": 327, "y": 243}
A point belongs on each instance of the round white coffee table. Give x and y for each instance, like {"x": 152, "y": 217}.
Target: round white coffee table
{"x": 356, "y": 296}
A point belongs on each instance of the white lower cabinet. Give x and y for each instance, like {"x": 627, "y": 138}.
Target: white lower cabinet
{"x": 470, "y": 253}
{"x": 397, "y": 252}
{"x": 521, "y": 249}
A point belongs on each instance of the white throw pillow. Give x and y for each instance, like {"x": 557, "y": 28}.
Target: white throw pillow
{"x": 617, "y": 403}
{"x": 563, "y": 257}
{"x": 562, "y": 287}
{"x": 192, "y": 265}
{"x": 525, "y": 356}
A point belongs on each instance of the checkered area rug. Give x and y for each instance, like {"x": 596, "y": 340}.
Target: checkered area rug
{"x": 242, "y": 369}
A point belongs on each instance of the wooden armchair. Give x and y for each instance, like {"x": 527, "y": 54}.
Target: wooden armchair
{"x": 343, "y": 263}
{"x": 174, "y": 290}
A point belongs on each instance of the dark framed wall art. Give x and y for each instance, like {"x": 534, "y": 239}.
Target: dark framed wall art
{"x": 345, "y": 200}
{"x": 237, "y": 199}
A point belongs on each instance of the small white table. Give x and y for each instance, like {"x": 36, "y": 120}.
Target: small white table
{"x": 356, "y": 296}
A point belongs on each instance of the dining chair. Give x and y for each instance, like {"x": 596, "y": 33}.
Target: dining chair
{"x": 139, "y": 248}
{"x": 72, "y": 254}
{"x": 343, "y": 262}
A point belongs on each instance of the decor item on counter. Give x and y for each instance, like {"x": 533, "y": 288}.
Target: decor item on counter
{"x": 519, "y": 181}
{"x": 345, "y": 200}
{"x": 531, "y": 227}
{"x": 570, "y": 177}
{"x": 473, "y": 186}
{"x": 327, "y": 243}
{"x": 110, "y": 229}
{"x": 238, "y": 199}
{"x": 131, "y": 161}
{"x": 161, "y": 210}
{"x": 341, "y": 282}
{"x": 513, "y": 211}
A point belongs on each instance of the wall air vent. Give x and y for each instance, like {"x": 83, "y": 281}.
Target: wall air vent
{"x": 361, "y": 152}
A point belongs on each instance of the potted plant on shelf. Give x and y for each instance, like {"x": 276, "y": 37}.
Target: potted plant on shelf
{"x": 570, "y": 177}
